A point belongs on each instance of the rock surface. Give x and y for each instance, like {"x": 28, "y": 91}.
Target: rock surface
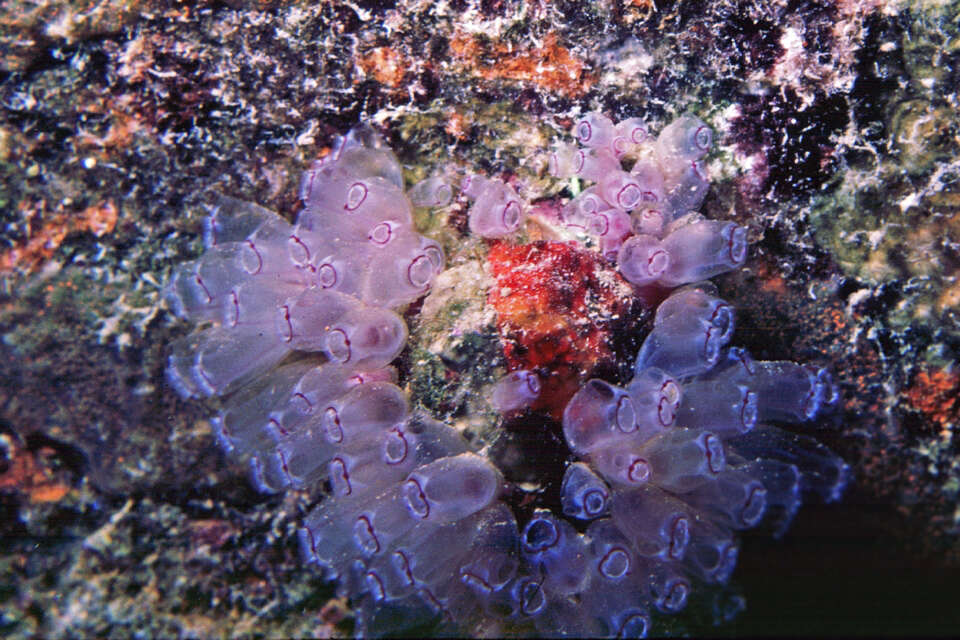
{"x": 836, "y": 133}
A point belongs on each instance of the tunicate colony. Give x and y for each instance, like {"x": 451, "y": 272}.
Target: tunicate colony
{"x": 413, "y": 527}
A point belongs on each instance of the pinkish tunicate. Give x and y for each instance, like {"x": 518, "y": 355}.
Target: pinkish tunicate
{"x": 643, "y": 259}
{"x": 594, "y": 130}
{"x": 596, "y": 164}
{"x": 628, "y": 135}
{"x": 497, "y": 210}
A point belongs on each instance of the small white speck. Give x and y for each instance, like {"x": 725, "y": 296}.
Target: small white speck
{"x": 89, "y": 162}
{"x": 856, "y": 298}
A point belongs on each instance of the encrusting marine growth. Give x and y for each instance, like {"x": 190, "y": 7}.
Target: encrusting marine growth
{"x": 413, "y": 527}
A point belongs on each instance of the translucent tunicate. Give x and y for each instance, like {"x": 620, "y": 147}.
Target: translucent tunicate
{"x": 497, "y": 210}
{"x": 643, "y": 259}
{"x": 594, "y": 130}
{"x": 683, "y": 459}
{"x": 400, "y": 276}
{"x": 609, "y": 223}
{"x": 821, "y": 470}
{"x": 434, "y": 191}
{"x": 564, "y": 160}
{"x": 494, "y": 561}
{"x": 649, "y": 220}
{"x": 366, "y": 337}
{"x": 303, "y": 321}
{"x": 685, "y": 190}
{"x": 583, "y": 494}
{"x": 656, "y": 398}
{"x": 782, "y": 483}
{"x": 689, "y": 331}
{"x": 789, "y": 391}
{"x": 233, "y": 220}
{"x": 720, "y": 405}
{"x": 648, "y": 177}
{"x": 656, "y": 523}
{"x": 218, "y": 360}
{"x": 451, "y": 488}
{"x": 702, "y": 249}
{"x": 621, "y": 463}
{"x": 713, "y": 550}
{"x": 557, "y": 551}
{"x": 239, "y": 427}
{"x": 597, "y": 413}
{"x": 515, "y": 390}
{"x": 628, "y": 135}
{"x": 369, "y": 408}
{"x": 579, "y": 212}
{"x": 620, "y": 190}
{"x": 339, "y": 199}
{"x": 596, "y": 164}
{"x": 736, "y": 497}
{"x": 687, "y": 138}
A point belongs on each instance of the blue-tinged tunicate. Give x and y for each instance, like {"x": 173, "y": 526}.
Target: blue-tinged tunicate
{"x": 722, "y": 405}
{"x": 657, "y": 524}
{"x": 700, "y": 249}
{"x": 781, "y": 480}
{"x": 700, "y": 460}
{"x": 821, "y": 471}
{"x": 713, "y": 550}
{"x": 689, "y": 331}
{"x": 736, "y": 497}
{"x": 554, "y": 549}
{"x": 583, "y": 494}
{"x": 599, "y": 413}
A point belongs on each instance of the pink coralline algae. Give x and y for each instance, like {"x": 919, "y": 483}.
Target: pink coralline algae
{"x": 299, "y": 331}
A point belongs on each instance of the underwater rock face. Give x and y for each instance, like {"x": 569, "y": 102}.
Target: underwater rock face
{"x": 858, "y": 264}
{"x": 416, "y": 527}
